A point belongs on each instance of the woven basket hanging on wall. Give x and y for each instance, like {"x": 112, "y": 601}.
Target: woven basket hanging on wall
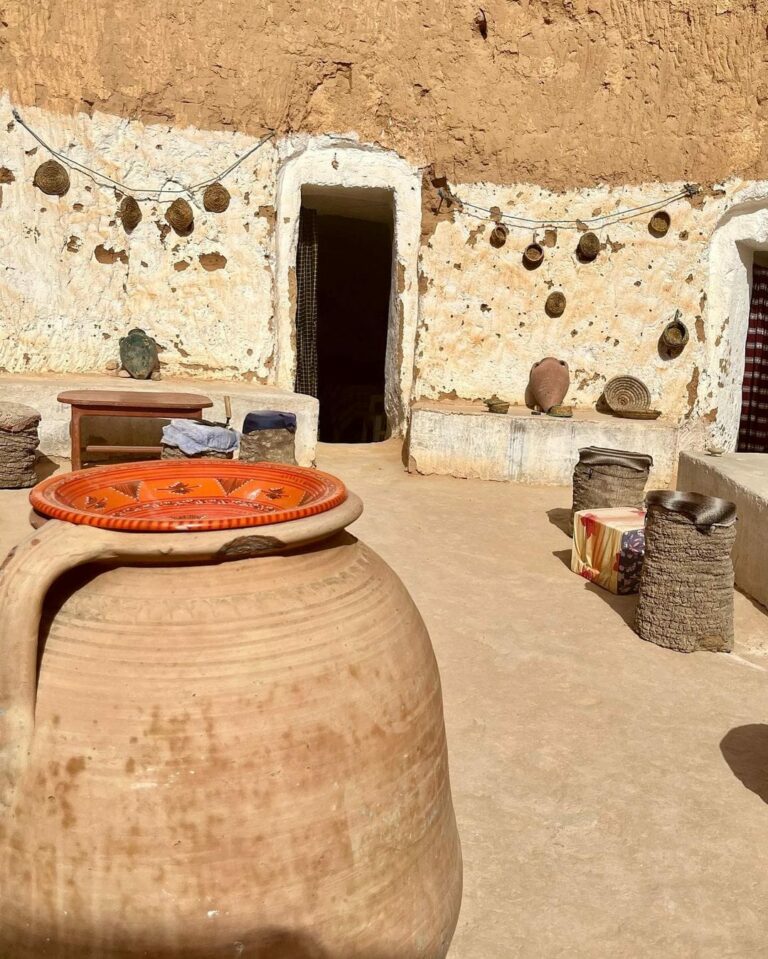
{"x": 216, "y": 198}
{"x": 130, "y": 214}
{"x": 555, "y": 305}
{"x": 588, "y": 247}
{"x": 52, "y": 178}
{"x": 179, "y": 214}
{"x": 608, "y": 479}
{"x": 686, "y": 586}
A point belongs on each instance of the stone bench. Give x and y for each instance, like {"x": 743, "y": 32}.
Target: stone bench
{"x": 741, "y": 478}
{"x": 41, "y": 392}
{"x": 463, "y": 439}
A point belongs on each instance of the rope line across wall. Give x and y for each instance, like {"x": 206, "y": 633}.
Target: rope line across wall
{"x": 154, "y": 192}
{"x": 524, "y": 223}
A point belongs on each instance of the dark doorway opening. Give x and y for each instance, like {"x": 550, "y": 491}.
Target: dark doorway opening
{"x": 753, "y": 426}
{"x": 353, "y": 237}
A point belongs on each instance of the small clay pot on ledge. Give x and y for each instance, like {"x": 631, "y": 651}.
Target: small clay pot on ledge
{"x": 495, "y": 405}
{"x": 548, "y": 383}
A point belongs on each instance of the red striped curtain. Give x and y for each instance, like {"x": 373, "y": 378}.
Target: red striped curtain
{"x": 753, "y": 429}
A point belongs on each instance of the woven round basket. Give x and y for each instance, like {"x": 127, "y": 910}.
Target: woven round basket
{"x": 627, "y": 394}
{"x": 555, "y": 305}
{"x": 588, "y": 246}
{"x": 179, "y": 215}
{"x": 130, "y": 214}
{"x": 52, "y": 178}
{"x": 499, "y": 236}
{"x": 533, "y": 255}
{"x": 216, "y": 198}
{"x": 660, "y": 223}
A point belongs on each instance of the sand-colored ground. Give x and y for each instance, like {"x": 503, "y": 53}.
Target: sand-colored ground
{"x": 611, "y": 795}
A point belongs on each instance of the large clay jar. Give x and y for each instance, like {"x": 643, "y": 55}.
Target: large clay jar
{"x": 220, "y": 743}
{"x": 548, "y": 383}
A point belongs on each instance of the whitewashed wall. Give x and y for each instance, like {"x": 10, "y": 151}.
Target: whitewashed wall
{"x": 480, "y": 320}
{"x": 63, "y": 310}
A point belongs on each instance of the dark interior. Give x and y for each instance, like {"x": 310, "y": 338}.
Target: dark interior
{"x": 353, "y": 285}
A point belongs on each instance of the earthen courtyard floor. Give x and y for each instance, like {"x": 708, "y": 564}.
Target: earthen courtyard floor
{"x": 612, "y": 796}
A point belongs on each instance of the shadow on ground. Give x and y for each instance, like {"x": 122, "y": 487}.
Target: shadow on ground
{"x": 625, "y": 606}
{"x": 745, "y": 749}
{"x": 560, "y": 518}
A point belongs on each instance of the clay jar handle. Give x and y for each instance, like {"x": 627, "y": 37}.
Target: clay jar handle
{"x": 35, "y": 564}
{"x": 26, "y": 576}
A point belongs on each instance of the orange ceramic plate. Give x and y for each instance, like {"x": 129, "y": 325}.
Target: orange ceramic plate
{"x": 186, "y": 495}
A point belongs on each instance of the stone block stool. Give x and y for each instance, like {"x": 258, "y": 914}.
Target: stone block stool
{"x": 269, "y": 436}
{"x": 608, "y": 479}
{"x": 686, "y": 586}
{"x": 18, "y": 445}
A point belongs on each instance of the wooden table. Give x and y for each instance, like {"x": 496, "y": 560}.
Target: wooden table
{"x": 122, "y": 403}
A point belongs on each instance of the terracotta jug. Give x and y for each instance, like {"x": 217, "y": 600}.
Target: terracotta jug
{"x": 220, "y": 744}
{"x": 548, "y": 383}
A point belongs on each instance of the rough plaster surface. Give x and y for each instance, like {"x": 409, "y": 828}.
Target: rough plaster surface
{"x": 467, "y": 320}
{"x": 463, "y": 441}
{"x": 559, "y": 92}
{"x": 73, "y": 282}
{"x": 741, "y": 478}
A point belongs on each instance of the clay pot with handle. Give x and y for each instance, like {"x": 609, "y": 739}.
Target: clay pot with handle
{"x": 218, "y": 743}
{"x": 548, "y": 384}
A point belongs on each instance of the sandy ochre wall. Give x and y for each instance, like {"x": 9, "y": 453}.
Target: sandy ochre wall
{"x": 554, "y": 110}
{"x": 561, "y": 93}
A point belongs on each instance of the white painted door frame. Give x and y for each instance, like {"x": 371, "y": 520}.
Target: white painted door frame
{"x": 330, "y": 162}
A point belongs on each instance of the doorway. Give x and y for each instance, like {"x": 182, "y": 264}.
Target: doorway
{"x": 344, "y": 285}
{"x": 753, "y": 425}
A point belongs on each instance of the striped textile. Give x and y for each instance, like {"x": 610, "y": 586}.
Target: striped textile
{"x": 306, "y": 304}
{"x": 753, "y": 429}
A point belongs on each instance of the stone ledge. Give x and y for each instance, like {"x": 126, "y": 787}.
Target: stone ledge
{"x": 40, "y": 392}
{"x": 463, "y": 439}
{"x": 743, "y": 479}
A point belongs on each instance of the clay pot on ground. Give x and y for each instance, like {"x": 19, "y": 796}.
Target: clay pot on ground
{"x": 548, "y": 383}
{"x": 234, "y": 736}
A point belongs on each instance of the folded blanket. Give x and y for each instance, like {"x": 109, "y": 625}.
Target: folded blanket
{"x": 269, "y": 420}
{"x": 192, "y": 437}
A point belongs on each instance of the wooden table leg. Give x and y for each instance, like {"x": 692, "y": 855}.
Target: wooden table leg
{"x": 76, "y": 439}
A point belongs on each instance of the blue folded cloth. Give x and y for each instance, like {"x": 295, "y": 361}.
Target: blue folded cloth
{"x": 192, "y": 437}
{"x": 269, "y": 420}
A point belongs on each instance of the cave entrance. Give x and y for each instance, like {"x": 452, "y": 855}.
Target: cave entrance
{"x": 344, "y": 266}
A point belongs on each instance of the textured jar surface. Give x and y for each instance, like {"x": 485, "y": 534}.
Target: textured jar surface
{"x": 242, "y": 759}
{"x": 549, "y": 382}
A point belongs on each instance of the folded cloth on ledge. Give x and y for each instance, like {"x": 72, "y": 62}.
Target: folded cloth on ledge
{"x": 192, "y": 437}
{"x": 609, "y": 547}
{"x": 269, "y": 420}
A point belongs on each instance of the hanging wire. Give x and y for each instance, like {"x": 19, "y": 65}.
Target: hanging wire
{"x": 525, "y": 223}
{"x": 154, "y": 192}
